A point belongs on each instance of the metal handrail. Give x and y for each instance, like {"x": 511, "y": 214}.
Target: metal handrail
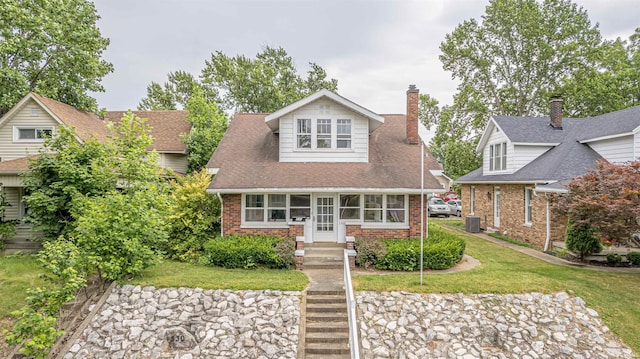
{"x": 354, "y": 346}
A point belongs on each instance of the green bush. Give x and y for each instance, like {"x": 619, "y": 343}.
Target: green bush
{"x": 369, "y": 251}
{"x": 286, "y": 252}
{"x": 634, "y": 258}
{"x": 442, "y": 250}
{"x": 244, "y": 252}
{"x": 580, "y": 239}
{"x": 614, "y": 259}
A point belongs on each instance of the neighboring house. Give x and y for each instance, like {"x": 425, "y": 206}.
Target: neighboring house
{"x": 23, "y": 127}
{"x": 526, "y": 158}
{"x": 324, "y": 169}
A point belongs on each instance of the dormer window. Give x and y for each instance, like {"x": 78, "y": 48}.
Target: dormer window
{"x": 323, "y": 133}
{"x": 498, "y": 157}
{"x": 304, "y": 132}
{"x": 31, "y": 134}
{"x": 344, "y": 134}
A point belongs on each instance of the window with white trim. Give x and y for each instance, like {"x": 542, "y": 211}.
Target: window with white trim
{"x": 350, "y": 206}
{"x": 472, "y": 200}
{"x": 254, "y": 208}
{"x": 265, "y": 208}
{"x": 389, "y": 208}
{"x": 343, "y": 138}
{"x": 303, "y": 132}
{"x": 528, "y": 205}
{"x": 323, "y": 133}
{"x": 498, "y": 157}
{"x": 277, "y": 208}
{"x": 300, "y": 206}
{"x": 31, "y": 134}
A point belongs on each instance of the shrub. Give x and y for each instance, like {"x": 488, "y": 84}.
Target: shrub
{"x": 580, "y": 239}
{"x": 243, "y": 252}
{"x": 402, "y": 254}
{"x": 614, "y": 259}
{"x": 286, "y": 252}
{"x": 634, "y": 258}
{"x": 369, "y": 251}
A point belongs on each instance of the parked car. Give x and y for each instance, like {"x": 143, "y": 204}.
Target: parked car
{"x": 437, "y": 207}
{"x": 455, "y": 207}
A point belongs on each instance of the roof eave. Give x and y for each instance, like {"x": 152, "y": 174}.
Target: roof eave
{"x": 602, "y": 138}
{"x": 324, "y": 190}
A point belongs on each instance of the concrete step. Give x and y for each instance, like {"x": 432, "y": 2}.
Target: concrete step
{"x": 326, "y": 299}
{"x": 327, "y": 337}
{"x": 319, "y": 317}
{"x": 324, "y": 265}
{"x": 326, "y": 307}
{"x": 327, "y": 356}
{"x": 320, "y": 327}
{"x": 326, "y": 349}
{"x": 314, "y": 293}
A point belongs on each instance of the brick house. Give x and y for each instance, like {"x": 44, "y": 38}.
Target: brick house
{"x": 526, "y": 158}
{"x": 22, "y": 135}
{"x": 324, "y": 169}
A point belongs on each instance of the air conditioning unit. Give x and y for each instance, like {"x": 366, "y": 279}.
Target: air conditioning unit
{"x": 472, "y": 224}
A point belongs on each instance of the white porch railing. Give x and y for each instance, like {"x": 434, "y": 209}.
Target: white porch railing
{"x": 354, "y": 346}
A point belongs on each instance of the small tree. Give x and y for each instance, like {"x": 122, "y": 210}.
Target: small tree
{"x": 607, "y": 199}
{"x": 581, "y": 239}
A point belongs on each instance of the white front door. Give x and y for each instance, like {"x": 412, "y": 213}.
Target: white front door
{"x": 496, "y": 207}
{"x": 325, "y": 224}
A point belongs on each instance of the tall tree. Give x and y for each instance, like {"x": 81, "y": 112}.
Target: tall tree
{"x": 264, "y": 84}
{"x": 53, "y": 48}
{"x": 521, "y": 53}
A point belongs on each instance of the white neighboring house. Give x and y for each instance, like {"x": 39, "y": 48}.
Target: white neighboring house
{"x": 525, "y": 158}
{"x": 22, "y": 132}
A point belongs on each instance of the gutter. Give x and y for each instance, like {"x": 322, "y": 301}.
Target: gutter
{"x": 221, "y": 212}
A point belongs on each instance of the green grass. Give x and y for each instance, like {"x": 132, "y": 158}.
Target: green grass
{"x": 17, "y": 273}
{"x": 507, "y": 239}
{"x": 178, "y": 274}
{"x": 614, "y": 295}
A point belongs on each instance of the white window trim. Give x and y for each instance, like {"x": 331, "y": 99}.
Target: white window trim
{"x": 314, "y": 133}
{"x": 265, "y": 223}
{"x": 528, "y": 207}
{"x": 16, "y": 133}
{"x": 384, "y": 223}
{"x": 360, "y": 206}
{"x": 503, "y": 158}
{"x": 472, "y": 200}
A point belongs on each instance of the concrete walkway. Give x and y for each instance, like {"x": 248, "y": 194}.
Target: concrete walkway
{"x": 551, "y": 258}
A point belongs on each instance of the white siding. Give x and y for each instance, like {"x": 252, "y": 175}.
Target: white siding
{"x": 497, "y": 137}
{"x": 176, "y": 161}
{"x": 11, "y": 181}
{"x": 636, "y": 145}
{"x": 359, "y": 151}
{"x": 523, "y": 155}
{"x": 13, "y": 198}
{"x": 615, "y": 150}
{"x": 10, "y": 150}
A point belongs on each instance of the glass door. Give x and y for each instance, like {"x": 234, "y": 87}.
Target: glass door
{"x": 325, "y": 229}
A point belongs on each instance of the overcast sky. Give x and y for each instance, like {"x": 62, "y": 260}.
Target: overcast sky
{"x": 374, "y": 48}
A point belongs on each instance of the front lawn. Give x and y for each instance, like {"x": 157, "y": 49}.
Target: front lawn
{"x": 614, "y": 295}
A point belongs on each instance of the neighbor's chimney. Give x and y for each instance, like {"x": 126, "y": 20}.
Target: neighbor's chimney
{"x": 556, "y": 113}
{"x": 412, "y": 115}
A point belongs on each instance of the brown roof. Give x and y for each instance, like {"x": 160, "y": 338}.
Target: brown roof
{"x": 247, "y": 158}
{"x": 86, "y": 124}
{"x": 166, "y": 127}
{"x": 16, "y": 166}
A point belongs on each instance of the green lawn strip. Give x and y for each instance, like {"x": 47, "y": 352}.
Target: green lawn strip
{"x": 614, "y": 295}
{"x": 177, "y": 274}
{"x": 17, "y": 274}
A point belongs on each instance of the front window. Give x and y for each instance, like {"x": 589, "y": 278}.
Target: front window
{"x": 395, "y": 208}
{"x": 32, "y": 134}
{"x": 528, "y": 205}
{"x": 373, "y": 208}
{"x": 349, "y": 206}
{"x": 498, "y": 157}
{"x": 300, "y": 206}
{"x": 254, "y": 208}
{"x": 303, "y": 133}
{"x": 389, "y": 208}
{"x": 344, "y": 134}
{"x": 323, "y": 139}
{"x": 277, "y": 208}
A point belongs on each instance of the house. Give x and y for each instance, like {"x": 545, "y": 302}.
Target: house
{"x": 527, "y": 158}
{"x": 324, "y": 169}
{"x": 23, "y": 128}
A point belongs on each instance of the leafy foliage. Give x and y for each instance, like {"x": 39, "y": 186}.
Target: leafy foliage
{"x": 53, "y": 48}
{"x": 7, "y": 227}
{"x": 248, "y": 252}
{"x": 581, "y": 239}
{"x": 614, "y": 259}
{"x": 63, "y": 170}
{"x": 634, "y": 258}
{"x": 194, "y": 217}
{"x": 36, "y": 331}
{"x": 606, "y": 198}
{"x": 264, "y": 84}
{"x": 369, "y": 251}
{"x": 208, "y": 127}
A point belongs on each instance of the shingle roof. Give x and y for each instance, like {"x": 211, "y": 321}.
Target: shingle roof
{"x": 16, "y": 166}
{"x": 247, "y": 158}
{"x": 568, "y": 159}
{"x": 86, "y": 124}
{"x": 166, "y": 127}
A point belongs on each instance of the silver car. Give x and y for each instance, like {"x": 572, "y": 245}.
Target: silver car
{"x": 455, "y": 207}
{"x": 438, "y": 207}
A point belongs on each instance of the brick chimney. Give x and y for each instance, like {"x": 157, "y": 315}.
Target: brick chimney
{"x": 412, "y": 115}
{"x": 556, "y": 113}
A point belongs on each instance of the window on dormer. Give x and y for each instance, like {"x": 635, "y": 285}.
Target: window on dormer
{"x": 344, "y": 134}
{"x": 304, "y": 133}
{"x": 31, "y": 134}
{"x": 323, "y": 139}
{"x": 498, "y": 157}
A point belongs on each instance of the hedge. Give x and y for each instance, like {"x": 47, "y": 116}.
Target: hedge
{"x": 248, "y": 252}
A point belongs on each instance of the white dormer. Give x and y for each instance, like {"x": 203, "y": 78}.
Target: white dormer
{"x": 323, "y": 127}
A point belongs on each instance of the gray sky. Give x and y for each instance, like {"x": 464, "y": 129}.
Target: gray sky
{"x": 374, "y": 48}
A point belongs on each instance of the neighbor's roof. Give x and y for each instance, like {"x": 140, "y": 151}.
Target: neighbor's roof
{"x": 247, "y": 159}
{"x": 16, "y": 166}
{"x": 166, "y": 127}
{"x": 570, "y": 158}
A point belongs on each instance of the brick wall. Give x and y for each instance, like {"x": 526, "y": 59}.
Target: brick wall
{"x": 512, "y": 221}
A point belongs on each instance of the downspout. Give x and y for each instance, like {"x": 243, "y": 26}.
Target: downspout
{"x": 547, "y": 240}
{"x": 221, "y": 215}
